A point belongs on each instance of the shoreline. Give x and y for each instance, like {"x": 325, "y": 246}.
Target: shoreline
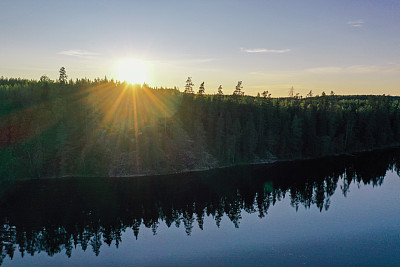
{"x": 187, "y": 171}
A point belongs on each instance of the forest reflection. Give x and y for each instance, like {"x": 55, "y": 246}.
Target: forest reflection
{"x": 53, "y": 216}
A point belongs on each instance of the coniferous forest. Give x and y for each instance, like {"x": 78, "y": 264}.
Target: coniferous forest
{"x": 108, "y": 128}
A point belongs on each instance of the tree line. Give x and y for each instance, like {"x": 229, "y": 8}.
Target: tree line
{"x": 103, "y": 127}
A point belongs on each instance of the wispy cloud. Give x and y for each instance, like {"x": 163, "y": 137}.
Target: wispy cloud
{"x": 390, "y": 68}
{"x": 356, "y": 23}
{"x": 265, "y": 50}
{"x": 78, "y": 53}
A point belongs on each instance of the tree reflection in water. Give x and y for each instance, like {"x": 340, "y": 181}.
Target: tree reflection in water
{"x": 58, "y": 215}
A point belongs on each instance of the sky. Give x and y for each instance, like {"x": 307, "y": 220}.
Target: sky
{"x": 349, "y": 47}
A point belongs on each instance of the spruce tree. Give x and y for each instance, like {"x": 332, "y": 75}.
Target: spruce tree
{"x": 63, "y": 75}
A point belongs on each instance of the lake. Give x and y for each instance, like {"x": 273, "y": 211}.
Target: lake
{"x": 333, "y": 211}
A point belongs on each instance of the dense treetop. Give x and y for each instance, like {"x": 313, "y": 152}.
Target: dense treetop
{"x": 107, "y": 128}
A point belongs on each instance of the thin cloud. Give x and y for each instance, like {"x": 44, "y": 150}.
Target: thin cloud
{"x": 265, "y": 50}
{"x": 356, "y": 23}
{"x": 78, "y": 53}
{"x": 390, "y": 68}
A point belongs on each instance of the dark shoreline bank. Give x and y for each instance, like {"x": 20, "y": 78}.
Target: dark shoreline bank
{"x": 264, "y": 163}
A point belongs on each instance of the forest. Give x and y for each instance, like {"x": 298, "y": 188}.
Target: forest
{"x": 105, "y": 128}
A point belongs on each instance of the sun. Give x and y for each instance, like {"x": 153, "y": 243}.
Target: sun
{"x": 133, "y": 71}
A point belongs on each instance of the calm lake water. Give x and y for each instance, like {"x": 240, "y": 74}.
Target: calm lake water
{"x": 333, "y": 211}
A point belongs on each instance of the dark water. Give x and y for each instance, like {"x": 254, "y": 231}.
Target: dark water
{"x": 334, "y": 211}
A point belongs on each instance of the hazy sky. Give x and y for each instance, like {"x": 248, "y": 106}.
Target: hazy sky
{"x": 350, "y": 47}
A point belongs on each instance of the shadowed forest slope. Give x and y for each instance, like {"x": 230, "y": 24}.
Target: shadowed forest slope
{"x": 107, "y": 128}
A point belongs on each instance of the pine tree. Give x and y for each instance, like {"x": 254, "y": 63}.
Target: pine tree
{"x": 266, "y": 94}
{"x": 189, "y": 86}
{"x": 63, "y": 75}
{"x": 220, "y": 90}
{"x": 238, "y": 90}
{"x": 201, "y": 89}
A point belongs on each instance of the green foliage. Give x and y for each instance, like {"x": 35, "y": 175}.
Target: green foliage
{"x": 107, "y": 128}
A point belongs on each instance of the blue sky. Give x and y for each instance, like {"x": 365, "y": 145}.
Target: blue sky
{"x": 350, "y": 47}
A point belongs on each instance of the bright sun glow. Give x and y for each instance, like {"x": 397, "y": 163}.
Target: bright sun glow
{"x": 132, "y": 71}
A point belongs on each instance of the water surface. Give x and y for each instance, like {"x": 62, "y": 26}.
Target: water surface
{"x": 332, "y": 211}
